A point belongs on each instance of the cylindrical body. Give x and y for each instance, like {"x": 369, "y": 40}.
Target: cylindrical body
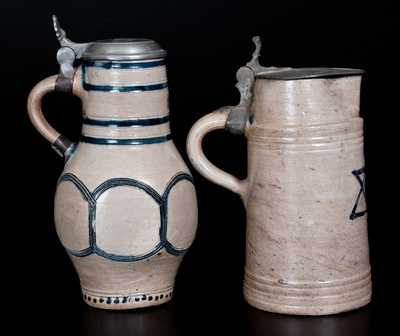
{"x": 307, "y": 245}
{"x": 306, "y": 242}
{"x": 125, "y": 206}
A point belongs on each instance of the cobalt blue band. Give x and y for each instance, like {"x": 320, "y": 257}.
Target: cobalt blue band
{"x": 131, "y": 88}
{"x": 126, "y": 122}
{"x": 123, "y": 65}
{"x": 138, "y": 141}
{"x": 91, "y": 198}
{"x": 117, "y": 88}
{"x": 359, "y": 174}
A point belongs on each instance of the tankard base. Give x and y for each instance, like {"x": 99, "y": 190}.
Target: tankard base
{"x": 128, "y": 301}
{"x": 308, "y": 301}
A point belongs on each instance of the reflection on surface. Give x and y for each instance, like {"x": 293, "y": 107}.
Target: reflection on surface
{"x": 180, "y": 318}
{"x": 147, "y": 321}
{"x": 356, "y": 323}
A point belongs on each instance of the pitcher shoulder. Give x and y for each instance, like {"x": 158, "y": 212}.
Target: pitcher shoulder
{"x": 153, "y": 165}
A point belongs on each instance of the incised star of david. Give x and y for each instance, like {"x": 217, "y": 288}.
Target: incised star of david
{"x": 359, "y": 174}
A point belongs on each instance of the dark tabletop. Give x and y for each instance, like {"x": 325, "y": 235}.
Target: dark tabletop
{"x": 170, "y": 320}
{"x": 192, "y": 316}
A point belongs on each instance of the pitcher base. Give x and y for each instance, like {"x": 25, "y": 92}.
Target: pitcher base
{"x": 128, "y": 301}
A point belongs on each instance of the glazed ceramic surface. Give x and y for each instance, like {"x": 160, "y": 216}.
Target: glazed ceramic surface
{"x": 125, "y": 206}
{"x": 306, "y": 244}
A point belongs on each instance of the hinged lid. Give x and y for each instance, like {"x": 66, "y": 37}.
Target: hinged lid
{"x": 123, "y": 50}
{"x": 308, "y": 73}
{"x": 111, "y": 50}
{"x": 246, "y": 76}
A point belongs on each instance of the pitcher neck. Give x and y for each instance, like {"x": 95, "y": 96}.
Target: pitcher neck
{"x": 122, "y": 90}
{"x": 123, "y": 100}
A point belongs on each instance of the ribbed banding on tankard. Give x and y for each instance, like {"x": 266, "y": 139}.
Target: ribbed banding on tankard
{"x": 319, "y": 298}
{"x": 316, "y": 136}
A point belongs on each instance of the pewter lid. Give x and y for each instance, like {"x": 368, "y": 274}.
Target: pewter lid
{"x": 306, "y": 73}
{"x": 123, "y": 50}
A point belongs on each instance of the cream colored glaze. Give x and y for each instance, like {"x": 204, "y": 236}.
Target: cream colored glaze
{"x": 304, "y": 255}
{"x": 35, "y": 108}
{"x": 120, "y": 105}
{"x": 103, "y": 278}
{"x": 288, "y": 102}
{"x": 126, "y": 132}
{"x": 101, "y": 76}
{"x": 208, "y": 123}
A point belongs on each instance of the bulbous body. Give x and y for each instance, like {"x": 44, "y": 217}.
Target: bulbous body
{"x": 125, "y": 205}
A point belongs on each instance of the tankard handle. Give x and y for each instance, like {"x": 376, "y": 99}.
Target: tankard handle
{"x": 210, "y": 122}
{"x": 60, "y": 143}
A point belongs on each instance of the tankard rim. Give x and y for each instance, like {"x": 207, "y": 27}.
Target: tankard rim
{"x": 310, "y": 73}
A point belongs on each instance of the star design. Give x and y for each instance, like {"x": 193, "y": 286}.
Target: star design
{"x": 359, "y": 174}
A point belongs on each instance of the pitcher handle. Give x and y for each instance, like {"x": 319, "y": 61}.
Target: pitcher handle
{"x": 210, "y": 122}
{"x": 59, "y": 142}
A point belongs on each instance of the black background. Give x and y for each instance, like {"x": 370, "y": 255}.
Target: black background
{"x": 207, "y": 41}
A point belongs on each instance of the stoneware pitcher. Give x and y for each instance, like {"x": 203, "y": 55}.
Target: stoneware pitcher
{"x": 125, "y": 205}
{"x": 306, "y": 244}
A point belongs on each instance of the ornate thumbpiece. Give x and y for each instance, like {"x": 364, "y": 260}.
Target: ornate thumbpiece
{"x": 69, "y": 51}
{"x": 239, "y": 115}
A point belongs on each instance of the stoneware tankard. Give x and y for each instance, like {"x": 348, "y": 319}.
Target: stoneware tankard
{"x": 306, "y": 245}
{"x": 125, "y": 205}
